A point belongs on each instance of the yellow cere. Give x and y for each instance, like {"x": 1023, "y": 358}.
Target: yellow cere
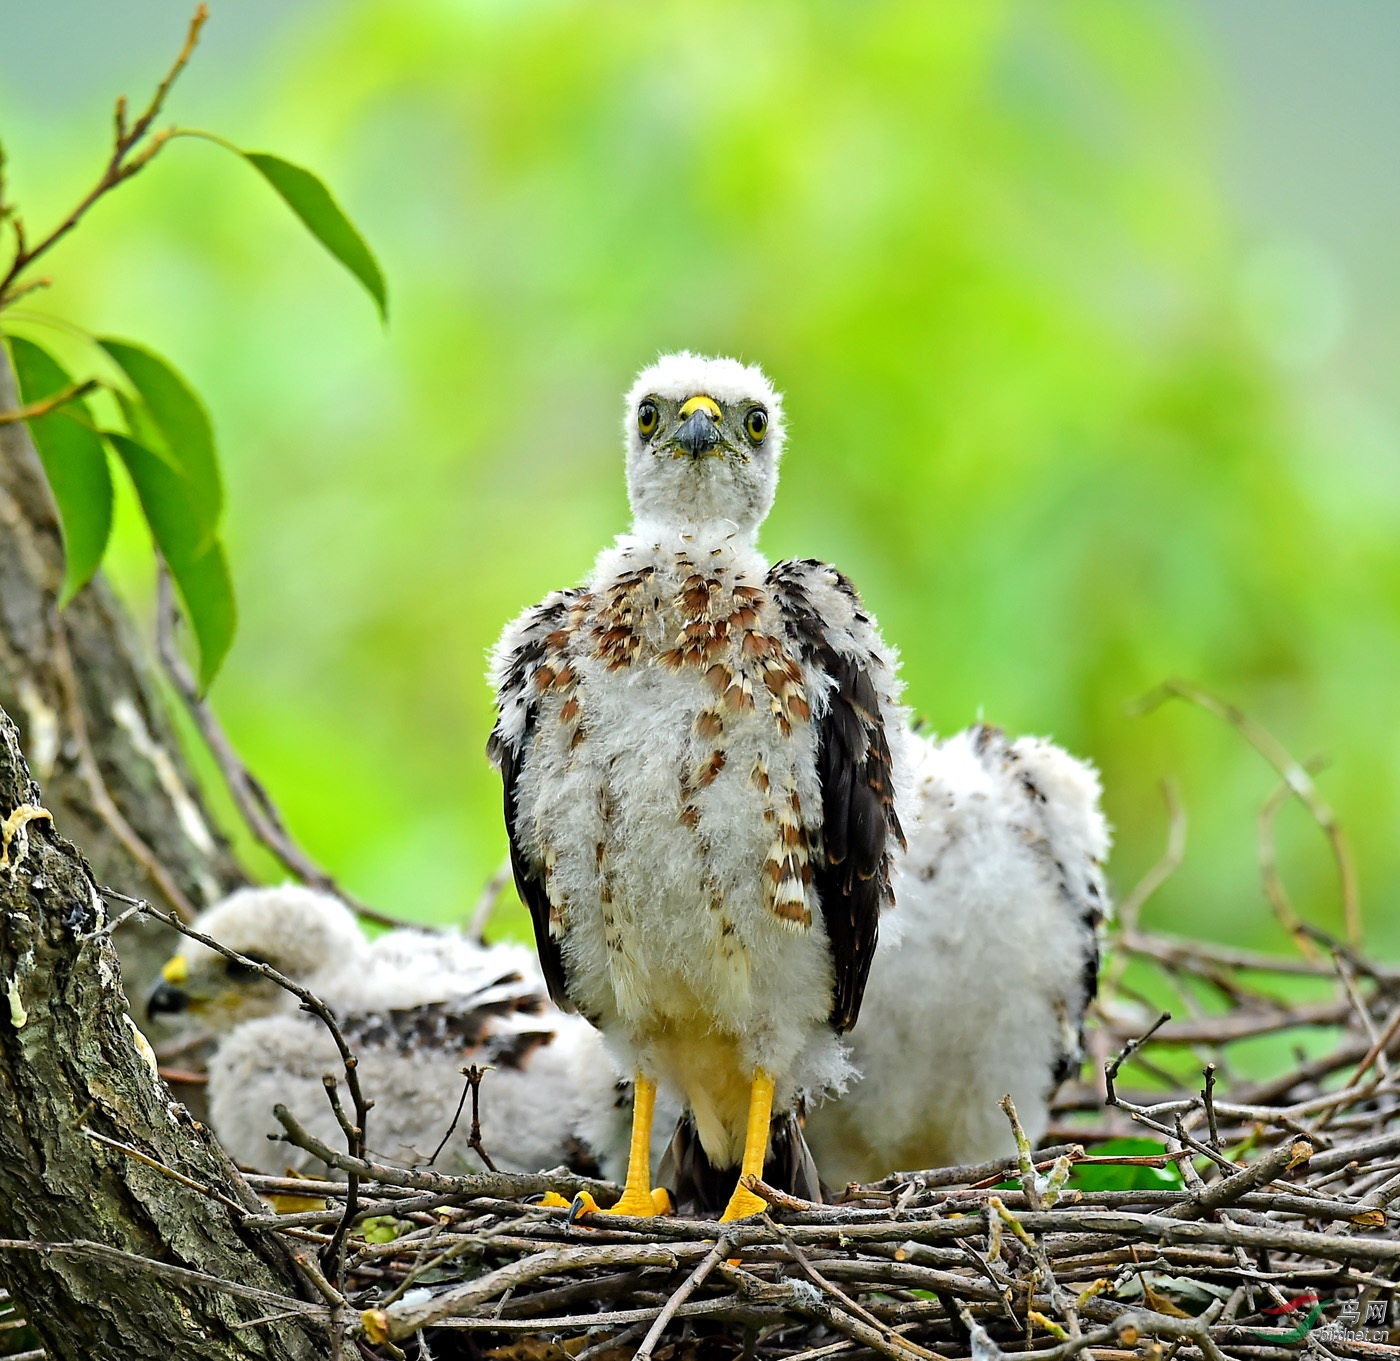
{"x": 175, "y": 970}
{"x": 697, "y": 402}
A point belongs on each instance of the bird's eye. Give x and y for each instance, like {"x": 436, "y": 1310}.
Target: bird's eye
{"x": 648, "y": 418}
{"x": 756, "y": 423}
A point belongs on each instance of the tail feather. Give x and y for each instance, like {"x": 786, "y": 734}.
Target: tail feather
{"x": 699, "y": 1187}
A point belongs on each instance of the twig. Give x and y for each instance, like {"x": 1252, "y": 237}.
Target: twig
{"x": 1025, "y": 1162}
{"x": 33, "y": 410}
{"x": 488, "y": 902}
{"x": 1175, "y": 852}
{"x": 130, "y": 1261}
{"x": 1373, "y": 1054}
{"x": 1208, "y": 1099}
{"x": 403, "y": 1319}
{"x": 1192, "y": 954}
{"x": 250, "y": 796}
{"x": 121, "y": 165}
{"x": 1228, "y": 1189}
{"x": 1292, "y": 773}
{"x": 91, "y": 771}
{"x": 154, "y": 1163}
{"x": 991, "y": 1171}
{"x": 893, "y": 1339}
{"x": 354, "y": 1131}
{"x": 470, "y": 1186}
{"x": 474, "y": 1076}
{"x": 1359, "y": 1009}
{"x": 456, "y": 1116}
{"x": 1130, "y": 1048}
{"x": 682, "y": 1293}
{"x": 1274, "y": 888}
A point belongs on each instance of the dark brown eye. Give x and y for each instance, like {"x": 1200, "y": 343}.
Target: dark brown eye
{"x": 648, "y": 417}
{"x": 756, "y": 423}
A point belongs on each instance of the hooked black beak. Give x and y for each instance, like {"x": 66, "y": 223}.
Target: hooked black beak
{"x": 698, "y": 433}
{"x": 166, "y": 997}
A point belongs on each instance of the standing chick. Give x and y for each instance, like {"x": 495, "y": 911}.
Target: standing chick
{"x": 699, "y": 780}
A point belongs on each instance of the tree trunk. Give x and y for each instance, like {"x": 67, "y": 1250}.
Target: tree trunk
{"x": 71, "y": 1068}
{"x": 91, "y": 717}
{"x": 98, "y": 736}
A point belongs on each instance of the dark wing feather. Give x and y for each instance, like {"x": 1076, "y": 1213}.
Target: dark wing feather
{"x": 859, "y": 823}
{"x": 508, "y": 755}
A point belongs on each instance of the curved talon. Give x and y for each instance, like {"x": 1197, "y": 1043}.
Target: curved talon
{"x": 635, "y": 1204}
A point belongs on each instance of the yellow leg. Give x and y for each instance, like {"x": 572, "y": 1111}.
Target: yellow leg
{"x": 638, "y": 1199}
{"x": 744, "y": 1202}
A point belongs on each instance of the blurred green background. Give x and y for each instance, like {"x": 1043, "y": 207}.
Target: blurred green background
{"x": 1085, "y": 313}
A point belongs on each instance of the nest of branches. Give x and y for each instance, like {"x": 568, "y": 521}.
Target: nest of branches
{"x": 1257, "y": 1220}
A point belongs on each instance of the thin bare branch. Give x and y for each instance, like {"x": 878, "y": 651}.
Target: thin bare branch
{"x": 1131, "y": 906}
{"x": 1291, "y": 771}
{"x": 249, "y": 795}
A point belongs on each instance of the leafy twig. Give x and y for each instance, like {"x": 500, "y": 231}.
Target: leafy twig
{"x": 126, "y": 159}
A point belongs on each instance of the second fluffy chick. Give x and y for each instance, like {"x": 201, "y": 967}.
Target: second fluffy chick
{"x": 416, "y": 1007}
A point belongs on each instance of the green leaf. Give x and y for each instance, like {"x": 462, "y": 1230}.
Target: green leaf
{"x": 75, "y": 463}
{"x": 324, "y": 218}
{"x": 1126, "y": 1176}
{"x": 186, "y": 438}
{"x": 198, "y": 568}
{"x": 382, "y": 1228}
{"x": 141, "y": 427}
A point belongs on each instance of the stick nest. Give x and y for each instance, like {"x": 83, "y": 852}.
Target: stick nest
{"x": 1258, "y": 1222}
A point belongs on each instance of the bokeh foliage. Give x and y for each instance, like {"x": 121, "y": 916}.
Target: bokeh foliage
{"x": 980, "y": 246}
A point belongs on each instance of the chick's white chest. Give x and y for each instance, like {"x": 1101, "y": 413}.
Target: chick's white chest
{"x": 670, "y": 790}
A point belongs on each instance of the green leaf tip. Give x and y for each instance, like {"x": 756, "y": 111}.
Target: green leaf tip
{"x": 307, "y": 196}
{"x": 197, "y": 563}
{"x": 74, "y": 461}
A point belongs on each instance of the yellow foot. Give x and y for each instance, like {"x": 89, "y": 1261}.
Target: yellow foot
{"x": 554, "y": 1201}
{"x": 635, "y": 1204}
{"x": 742, "y": 1204}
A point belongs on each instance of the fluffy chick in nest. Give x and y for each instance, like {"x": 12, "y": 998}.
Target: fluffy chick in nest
{"x": 416, "y": 1007}
{"x": 985, "y": 965}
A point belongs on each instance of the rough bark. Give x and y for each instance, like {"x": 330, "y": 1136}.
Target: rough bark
{"x": 91, "y": 718}
{"x": 69, "y": 1063}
